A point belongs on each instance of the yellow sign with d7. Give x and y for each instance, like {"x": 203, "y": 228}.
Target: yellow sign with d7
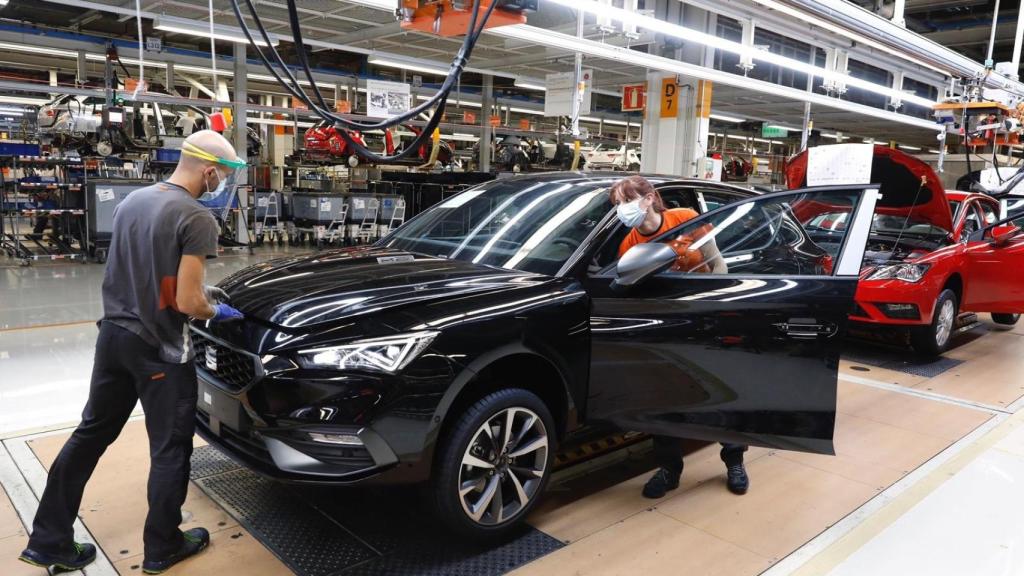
{"x": 669, "y": 97}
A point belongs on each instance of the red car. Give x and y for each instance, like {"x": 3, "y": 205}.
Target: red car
{"x": 325, "y": 144}
{"x": 929, "y": 266}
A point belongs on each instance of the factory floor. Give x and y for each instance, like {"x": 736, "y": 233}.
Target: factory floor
{"x": 926, "y": 477}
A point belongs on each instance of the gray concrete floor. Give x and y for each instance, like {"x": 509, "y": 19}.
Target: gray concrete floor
{"x": 48, "y": 315}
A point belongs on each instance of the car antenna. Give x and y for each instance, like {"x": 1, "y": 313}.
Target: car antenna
{"x": 924, "y": 182}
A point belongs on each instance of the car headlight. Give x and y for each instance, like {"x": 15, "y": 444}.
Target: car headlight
{"x": 389, "y": 354}
{"x": 905, "y": 272}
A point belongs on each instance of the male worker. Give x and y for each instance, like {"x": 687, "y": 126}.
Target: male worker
{"x": 640, "y": 207}
{"x": 153, "y": 284}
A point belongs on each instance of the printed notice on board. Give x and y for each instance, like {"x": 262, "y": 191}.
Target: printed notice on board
{"x": 104, "y": 194}
{"x": 839, "y": 164}
{"x": 325, "y": 205}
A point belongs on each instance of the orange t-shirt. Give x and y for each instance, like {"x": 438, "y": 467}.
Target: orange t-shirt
{"x": 689, "y": 260}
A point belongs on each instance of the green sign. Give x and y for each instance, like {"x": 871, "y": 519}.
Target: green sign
{"x": 773, "y": 132}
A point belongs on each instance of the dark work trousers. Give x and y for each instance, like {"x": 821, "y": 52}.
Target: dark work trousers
{"x": 125, "y": 369}
{"x": 668, "y": 452}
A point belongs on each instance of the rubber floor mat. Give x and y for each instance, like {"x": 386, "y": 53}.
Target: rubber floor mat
{"x": 328, "y": 531}
{"x": 927, "y": 368}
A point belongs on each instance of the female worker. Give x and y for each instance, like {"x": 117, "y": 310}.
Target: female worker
{"x": 640, "y": 207}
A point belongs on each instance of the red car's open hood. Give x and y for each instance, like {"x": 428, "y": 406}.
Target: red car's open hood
{"x": 909, "y": 186}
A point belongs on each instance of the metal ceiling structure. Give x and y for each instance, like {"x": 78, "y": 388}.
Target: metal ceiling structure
{"x": 343, "y": 33}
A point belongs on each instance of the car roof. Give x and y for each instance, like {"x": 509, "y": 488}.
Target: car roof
{"x": 598, "y": 177}
{"x": 960, "y": 195}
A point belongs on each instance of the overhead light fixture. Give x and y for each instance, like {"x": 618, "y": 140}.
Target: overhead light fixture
{"x": 781, "y": 127}
{"x": 605, "y": 120}
{"x": 595, "y": 49}
{"x": 219, "y": 32}
{"x": 906, "y": 147}
{"x": 23, "y": 100}
{"x": 412, "y": 66}
{"x": 725, "y": 118}
{"x": 661, "y": 26}
{"x": 530, "y": 86}
{"x": 30, "y": 49}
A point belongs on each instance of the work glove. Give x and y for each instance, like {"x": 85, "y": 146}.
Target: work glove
{"x": 225, "y": 313}
{"x": 214, "y": 294}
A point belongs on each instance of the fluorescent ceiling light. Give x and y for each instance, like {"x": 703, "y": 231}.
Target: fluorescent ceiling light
{"x": 413, "y": 66}
{"x": 530, "y": 86}
{"x": 781, "y": 127}
{"x": 545, "y": 37}
{"x": 219, "y": 32}
{"x": 935, "y": 151}
{"x": 725, "y": 118}
{"x": 38, "y": 50}
{"x": 689, "y": 34}
{"x": 906, "y": 147}
{"x": 23, "y": 100}
{"x": 606, "y": 121}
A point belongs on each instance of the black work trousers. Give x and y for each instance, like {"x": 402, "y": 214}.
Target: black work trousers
{"x": 125, "y": 369}
{"x": 668, "y": 452}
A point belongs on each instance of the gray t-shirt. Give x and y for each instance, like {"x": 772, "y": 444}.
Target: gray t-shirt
{"x": 153, "y": 227}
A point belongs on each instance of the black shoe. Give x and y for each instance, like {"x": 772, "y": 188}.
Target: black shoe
{"x": 737, "y": 479}
{"x": 80, "y": 556}
{"x": 196, "y": 540}
{"x": 662, "y": 481}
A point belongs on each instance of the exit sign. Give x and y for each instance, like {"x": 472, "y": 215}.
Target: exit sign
{"x": 773, "y": 132}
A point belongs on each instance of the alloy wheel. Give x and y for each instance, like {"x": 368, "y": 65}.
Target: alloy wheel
{"x": 944, "y": 327}
{"x": 503, "y": 467}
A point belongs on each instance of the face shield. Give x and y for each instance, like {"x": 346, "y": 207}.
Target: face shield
{"x": 224, "y": 178}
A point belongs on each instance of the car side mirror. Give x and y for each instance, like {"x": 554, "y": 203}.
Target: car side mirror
{"x": 641, "y": 262}
{"x": 1001, "y": 235}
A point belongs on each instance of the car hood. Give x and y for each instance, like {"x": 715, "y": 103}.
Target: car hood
{"x": 908, "y": 185}
{"x": 306, "y": 292}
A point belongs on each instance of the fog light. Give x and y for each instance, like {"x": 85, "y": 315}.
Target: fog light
{"x": 339, "y": 439}
{"x": 901, "y": 311}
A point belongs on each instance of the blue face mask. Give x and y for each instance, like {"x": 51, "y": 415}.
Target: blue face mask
{"x": 213, "y": 194}
{"x": 630, "y": 213}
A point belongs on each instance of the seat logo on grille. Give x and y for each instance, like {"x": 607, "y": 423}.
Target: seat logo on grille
{"x": 211, "y": 358}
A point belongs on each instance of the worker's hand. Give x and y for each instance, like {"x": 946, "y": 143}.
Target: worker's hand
{"x": 225, "y": 313}
{"x": 215, "y": 295}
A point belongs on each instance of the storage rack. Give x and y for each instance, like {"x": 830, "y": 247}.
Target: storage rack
{"x": 70, "y": 225}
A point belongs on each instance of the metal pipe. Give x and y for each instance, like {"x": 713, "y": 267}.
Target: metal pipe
{"x": 577, "y": 100}
{"x": 1018, "y": 40}
{"x": 992, "y": 36}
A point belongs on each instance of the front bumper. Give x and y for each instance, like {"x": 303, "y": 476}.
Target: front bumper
{"x": 875, "y": 300}
{"x": 287, "y": 454}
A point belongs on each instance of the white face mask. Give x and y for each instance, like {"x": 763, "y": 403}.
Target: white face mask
{"x": 630, "y": 213}
{"x": 213, "y": 194}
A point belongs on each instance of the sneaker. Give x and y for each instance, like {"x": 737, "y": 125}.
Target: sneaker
{"x": 196, "y": 540}
{"x": 736, "y": 479}
{"x": 82, "y": 555}
{"x": 662, "y": 481}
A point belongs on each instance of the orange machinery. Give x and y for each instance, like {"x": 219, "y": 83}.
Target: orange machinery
{"x": 447, "y": 18}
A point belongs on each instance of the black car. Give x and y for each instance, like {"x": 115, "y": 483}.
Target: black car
{"x": 464, "y": 346}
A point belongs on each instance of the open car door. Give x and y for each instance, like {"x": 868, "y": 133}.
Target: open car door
{"x": 995, "y": 268}
{"x": 729, "y": 327}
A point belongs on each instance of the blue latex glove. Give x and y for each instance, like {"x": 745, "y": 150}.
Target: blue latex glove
{"x": 225, "y": 313}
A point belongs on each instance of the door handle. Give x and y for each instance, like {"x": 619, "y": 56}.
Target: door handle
{"x": 809, "y": 330}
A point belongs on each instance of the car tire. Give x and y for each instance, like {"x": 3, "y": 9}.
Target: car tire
{"x": 1005, "y": 319}
{"x": 934, "y": 338}
{"x": 461, "y": 490}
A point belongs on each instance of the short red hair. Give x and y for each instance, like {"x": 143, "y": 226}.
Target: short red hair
{"x": 633, "y": 187}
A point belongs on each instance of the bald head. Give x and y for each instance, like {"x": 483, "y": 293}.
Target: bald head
{"x": 198, "y": 175}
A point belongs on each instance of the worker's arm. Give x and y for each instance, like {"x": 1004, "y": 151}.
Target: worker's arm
{"x": 190, "y": 297}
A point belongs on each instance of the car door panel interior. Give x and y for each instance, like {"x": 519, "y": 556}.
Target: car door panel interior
{"x": 749, "y": 356}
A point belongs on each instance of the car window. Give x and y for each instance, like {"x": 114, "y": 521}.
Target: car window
{"x": 534, "y": 227}
{"x": 988, "y": 213}
{"x": 972, "y": 222}
{"x": 954, "y": 206}
{"x": 763, "y": 236}
{"x": 678, "y": 197}
{"x": 714, "y": 199}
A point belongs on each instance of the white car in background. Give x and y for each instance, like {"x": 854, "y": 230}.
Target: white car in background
{"x": 622, "y": 158}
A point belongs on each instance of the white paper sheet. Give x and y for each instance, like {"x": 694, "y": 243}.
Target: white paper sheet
{"x": 104, "y": 194}
{"x": 839, "y": 164}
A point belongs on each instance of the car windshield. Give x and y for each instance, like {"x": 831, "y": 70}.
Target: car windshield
{"x": 885, "y": 224}
{"x": 513, "y": 223}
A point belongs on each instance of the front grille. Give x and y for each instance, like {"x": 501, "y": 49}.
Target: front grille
{"x": 235, "y": 370}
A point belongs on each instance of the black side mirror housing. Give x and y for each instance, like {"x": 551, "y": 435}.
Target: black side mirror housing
{"x": 641, "y": 262}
